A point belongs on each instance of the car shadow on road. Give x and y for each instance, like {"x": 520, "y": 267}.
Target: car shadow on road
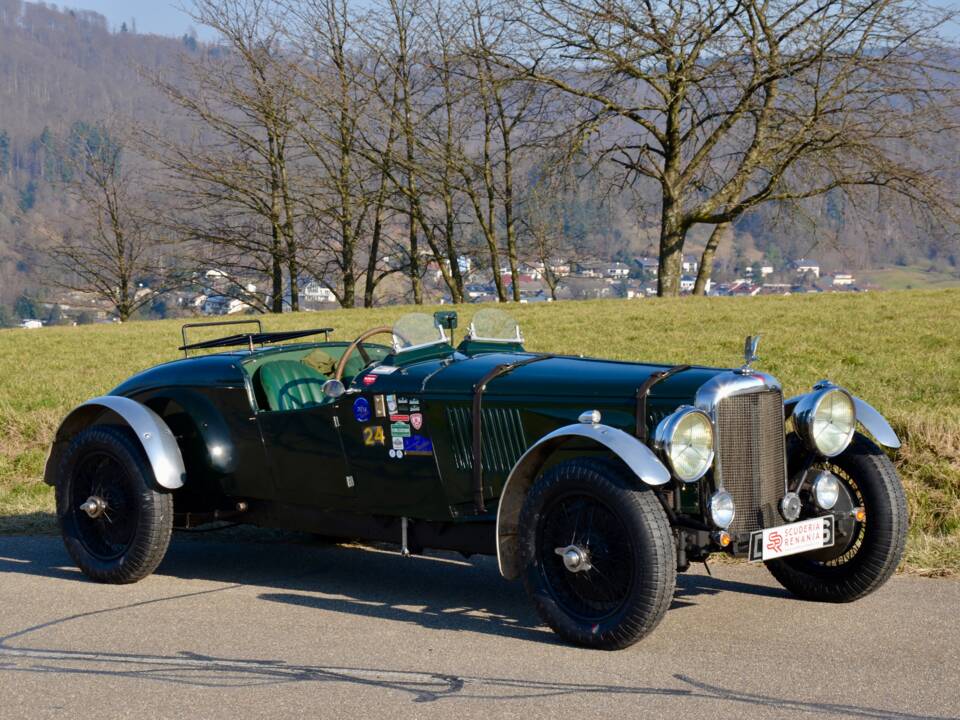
{"x": 439, "y": 590}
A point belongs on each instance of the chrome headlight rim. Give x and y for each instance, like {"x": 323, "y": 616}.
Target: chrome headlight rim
{"x": 806, "y": 411}
{"x": 719, "y": 501}
{"x": 664, "y": 440}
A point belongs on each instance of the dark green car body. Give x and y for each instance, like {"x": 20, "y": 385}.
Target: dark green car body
{"x": 595, "y": 481}
{"x": 436, "y": 446}
{"x": 304, "y": 456}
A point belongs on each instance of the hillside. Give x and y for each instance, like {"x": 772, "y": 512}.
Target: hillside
{"x": 58, "y": 70}
{"x": 900, "y": 351}
{"x": 64, "y": 71}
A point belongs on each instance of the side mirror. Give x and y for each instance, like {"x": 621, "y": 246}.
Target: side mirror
{"x": 333, "y": 389}
{"x": 446, "y": 319}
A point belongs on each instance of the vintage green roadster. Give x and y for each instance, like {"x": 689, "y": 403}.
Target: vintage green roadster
{"x": 594, "y": 481}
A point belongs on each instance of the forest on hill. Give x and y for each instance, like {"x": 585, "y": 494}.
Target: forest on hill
{"x": 75, "y": 96}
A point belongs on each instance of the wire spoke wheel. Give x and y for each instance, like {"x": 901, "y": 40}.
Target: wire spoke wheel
{"x": 115, "y": 522}
{"x": 858, "y": 537}
{"x": 101, "y": 476}
{"x": 585, "y": 523}
{"x": 872, "y": 551}
{"x": 598, "y": 553}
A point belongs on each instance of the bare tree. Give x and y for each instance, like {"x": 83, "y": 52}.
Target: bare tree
{"x": 725, "y": 104}
{"x": 111, "y": 242}
{"x": 344, "y": 189}
{"x": 234, "y": 177}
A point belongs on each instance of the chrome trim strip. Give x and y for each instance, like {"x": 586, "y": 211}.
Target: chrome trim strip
{"x": 638, "y": 457}
{"x": 157, "y": 440}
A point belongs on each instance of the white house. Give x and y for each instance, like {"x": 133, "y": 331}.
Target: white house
{"x": 317, "y": 293}
{"x": 843, "y": 279}
{"x": 617, "y": 270}
{"x": 29, "y": 324}
{"x": 766, "y": 270}
{"x": 223, "y": 305}
{"x": 803, "y": 266}
{"x": 690, "y": 264}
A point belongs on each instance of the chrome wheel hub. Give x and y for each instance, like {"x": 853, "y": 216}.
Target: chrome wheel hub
{"x": 94, "y": 507}
{"x": 575, "y": 558}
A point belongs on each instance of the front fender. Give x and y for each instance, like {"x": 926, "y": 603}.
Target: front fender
{"x": 872, "y": 421}
{"x": 155, "y": 437}
{"x": 637, "y": 456}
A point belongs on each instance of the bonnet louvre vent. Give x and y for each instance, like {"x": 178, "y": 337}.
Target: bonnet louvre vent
{"x": 503, "y": 438}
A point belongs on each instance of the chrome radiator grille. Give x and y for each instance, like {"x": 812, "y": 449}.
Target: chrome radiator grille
{"x": 751, "y": 457}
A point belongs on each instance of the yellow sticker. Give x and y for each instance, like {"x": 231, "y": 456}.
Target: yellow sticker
{"x": 374, "y": 435}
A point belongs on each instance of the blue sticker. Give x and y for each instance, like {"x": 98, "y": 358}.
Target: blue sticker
{"x": 361, "y": 409}
{"x": 417, "y": 445}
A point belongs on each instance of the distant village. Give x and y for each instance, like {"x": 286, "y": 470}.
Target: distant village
{"x": 213, "y": 293}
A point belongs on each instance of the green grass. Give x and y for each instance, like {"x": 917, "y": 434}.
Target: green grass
{"x": 900, "y": 351}
{"x": 909, "y": 277}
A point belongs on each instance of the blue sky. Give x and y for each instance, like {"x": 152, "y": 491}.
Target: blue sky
{"x": 161, "y": 17}
{"x": 164, "y": 17}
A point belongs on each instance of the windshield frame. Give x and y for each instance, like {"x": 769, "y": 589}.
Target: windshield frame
{"x": 473, "y": 337}
{"x": 398, "y": 350}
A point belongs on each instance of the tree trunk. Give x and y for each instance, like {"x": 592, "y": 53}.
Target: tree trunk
{"x": 706, "y": 260}
{"x": 276, "y": 304}
{"x": 370, "y": 282}
{"x": 672, "y": 235}
{"x": 415, "y": 280}
{"x": 508, "y": 215}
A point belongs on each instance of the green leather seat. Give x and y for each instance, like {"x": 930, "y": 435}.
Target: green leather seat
{"x": 291, "y": 385}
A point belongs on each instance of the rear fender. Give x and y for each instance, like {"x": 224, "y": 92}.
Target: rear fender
{"x": 158, "y": 442}
{"x": 637, "y": 456}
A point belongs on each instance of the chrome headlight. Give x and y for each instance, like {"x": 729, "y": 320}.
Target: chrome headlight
{"x": 685, "y": 441}
{"x": 826, "y": 419}
{"x": 826, "y": 490}
{"x": 721, "y": 509}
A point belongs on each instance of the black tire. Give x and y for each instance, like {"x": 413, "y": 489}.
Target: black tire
{"x": 874, "y": 551}
{"x": 129, "y": 539}
{"x": 632, "y": 574}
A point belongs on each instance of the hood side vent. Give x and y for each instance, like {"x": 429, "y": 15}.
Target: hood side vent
{"x": 503, "y": 438}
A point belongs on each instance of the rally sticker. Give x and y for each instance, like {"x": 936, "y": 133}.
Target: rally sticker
{"x": 384, "y": 369}
{"x": 417, "y": 445}
{"x": 392, "y": 404}
{"x": 400, "y": 430}
{"x": 369, "y": 380}
{"x": 416, "y": 420}
{"x": 399, "y": 418}
{"x": 374, "y": 435}
{"x": 397, "y": 443}
{"x": 361, "y": 409}
{"x": 379, "y": 406}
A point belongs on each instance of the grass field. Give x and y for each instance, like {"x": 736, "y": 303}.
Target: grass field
{"x": 909, "y": 277}
{"x": 900, "y": 351}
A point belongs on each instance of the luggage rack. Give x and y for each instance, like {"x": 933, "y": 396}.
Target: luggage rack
{"x": 249, "y": 339}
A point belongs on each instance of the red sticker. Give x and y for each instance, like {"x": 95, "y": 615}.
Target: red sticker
{"x": 416, "y": 419}
{"x": 399, "y": 418}
{"x": 369, "y": 380}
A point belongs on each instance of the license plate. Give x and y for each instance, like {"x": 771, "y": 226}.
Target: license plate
{"x": 790, "y": 539}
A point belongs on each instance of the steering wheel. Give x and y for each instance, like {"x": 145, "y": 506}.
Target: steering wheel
{"x": 358, "y": 345}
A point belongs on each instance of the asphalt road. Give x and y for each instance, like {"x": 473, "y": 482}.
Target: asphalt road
{"x": 292, "y": 628}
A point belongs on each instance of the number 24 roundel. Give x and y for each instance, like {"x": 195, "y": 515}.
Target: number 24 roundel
{"x": 374, "y": 435}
